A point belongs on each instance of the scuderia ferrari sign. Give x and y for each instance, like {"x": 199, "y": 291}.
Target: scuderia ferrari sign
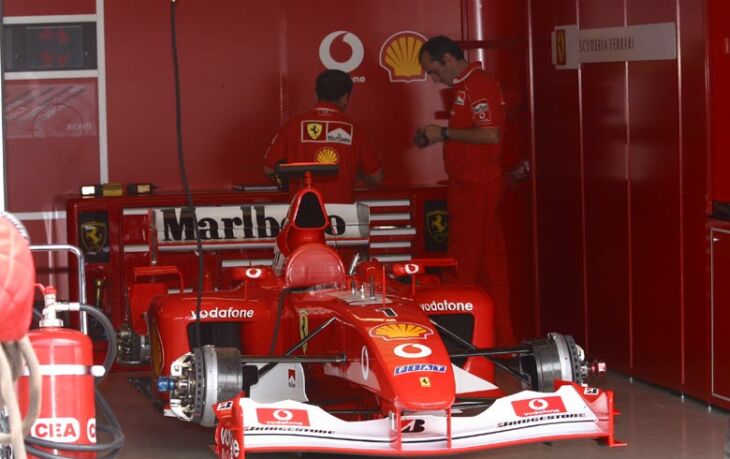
{"x": 256, "y": 223}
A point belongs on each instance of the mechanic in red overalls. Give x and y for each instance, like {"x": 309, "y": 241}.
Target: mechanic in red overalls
{"x": 325, "y": 135}
{"x": 473, "y": 162}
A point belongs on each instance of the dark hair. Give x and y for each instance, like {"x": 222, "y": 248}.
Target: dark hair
{"x": 333, "y": 84}
{"x": 437, "y": 46}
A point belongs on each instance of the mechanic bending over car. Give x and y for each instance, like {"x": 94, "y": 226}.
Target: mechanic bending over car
{"x": 473, "y": 161}
{"x": 325, "y": 135}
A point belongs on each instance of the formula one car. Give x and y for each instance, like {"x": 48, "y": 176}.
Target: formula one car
{"x": 378, "y": 359}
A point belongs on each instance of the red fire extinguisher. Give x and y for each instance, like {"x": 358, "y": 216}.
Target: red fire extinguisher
{"x": 67, "y": 402}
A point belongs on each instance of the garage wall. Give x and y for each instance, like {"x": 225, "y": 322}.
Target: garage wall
{"x": 621, "y": 181}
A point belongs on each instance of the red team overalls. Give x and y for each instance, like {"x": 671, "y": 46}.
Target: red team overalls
{"x": 475, "y": 190}
{"x": 325, "y": 135}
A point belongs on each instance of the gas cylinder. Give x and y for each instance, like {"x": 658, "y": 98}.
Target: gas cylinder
{"x": 67, "y": 403}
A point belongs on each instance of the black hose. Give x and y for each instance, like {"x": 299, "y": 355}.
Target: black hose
{"x": 117, "y": 435}
{"x": 111, "y": 351}
{"x": 46, "y": 455}
{"x": 184, "y": 175}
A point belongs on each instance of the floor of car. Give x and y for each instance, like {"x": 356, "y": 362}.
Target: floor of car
{"x": 654, "y": 422}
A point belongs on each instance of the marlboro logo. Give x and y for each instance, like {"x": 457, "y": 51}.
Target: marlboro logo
{"x": 251, "y": 223}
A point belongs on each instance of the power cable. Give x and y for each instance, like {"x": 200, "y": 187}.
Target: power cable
{"x": 183, "y": 173}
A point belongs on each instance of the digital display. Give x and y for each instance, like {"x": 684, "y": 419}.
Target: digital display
{"x": 46, "y": 47}
{"x": 54, "y": 47}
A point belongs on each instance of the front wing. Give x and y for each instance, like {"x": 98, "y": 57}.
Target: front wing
{"x": 571, "y": 411}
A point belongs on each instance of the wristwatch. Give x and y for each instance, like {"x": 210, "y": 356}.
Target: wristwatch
{"x": 445, "y": 133}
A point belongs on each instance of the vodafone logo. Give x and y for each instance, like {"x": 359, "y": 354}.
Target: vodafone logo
{"x": 253, "y": 273}
{"x": 356, "y": 48}
{"x": 228, "y": 440}
{"x": 412, "y": 268}
{"x": 282, "y": 416}
{"x": 365, "y": 363}
{"x": 412, "y": 351}
{"x": 538, "y": 406}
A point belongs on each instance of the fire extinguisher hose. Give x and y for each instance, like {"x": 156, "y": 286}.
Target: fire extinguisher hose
{"x": 111, "y": 448}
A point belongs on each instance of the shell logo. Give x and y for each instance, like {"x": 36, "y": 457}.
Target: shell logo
{"x": 399, "y": 57}
{"x": 327, "y": 155}
{"x": 400, "y": 330}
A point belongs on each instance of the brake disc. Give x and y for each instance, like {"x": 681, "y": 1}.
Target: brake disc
{"x": 555, "y": 358}
{"x": 218, "y": 376}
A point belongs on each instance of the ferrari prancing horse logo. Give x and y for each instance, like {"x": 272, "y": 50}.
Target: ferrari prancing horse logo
{"x": 93, "y": 236}
{"x": 438, "y": 225}
{"x": 314, "y": 130}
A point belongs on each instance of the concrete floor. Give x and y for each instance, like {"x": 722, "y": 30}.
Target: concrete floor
{"x": 654, "y": 422}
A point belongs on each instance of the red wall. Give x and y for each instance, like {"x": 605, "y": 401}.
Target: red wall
{"x": 719, "y": 55}
{"x": 245, "y": 66}
{"x": 505, "y": 24}
{"x": 620, "y": 162}
{"x": 46, "y": 7}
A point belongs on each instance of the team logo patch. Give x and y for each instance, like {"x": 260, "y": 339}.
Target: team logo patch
{"x": 481, "y": 112}
{"x": 419, "y": 367}
{"x": 93, "y": 236}
{"x": 314, "y": 130}
{"x": 327, "y": 155}
{"x": 282, "y": 417}
{"x": 399, "y": 57}
{"x": 460, "y": 98}
{"x": 327, "y": 132}
{"x": 339, "y": 132}
{"x": 538, "y": 406}
{"x": 438, "y": 225}
{"x": 425, "y": 381}
{"x": 400, "y": 330}
{"x": 480, "y": 106}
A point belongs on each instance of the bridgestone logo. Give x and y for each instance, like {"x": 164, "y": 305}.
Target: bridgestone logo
{"x": 446, "y": 306}
{"x": 288, "y": 429}
{"x": 221, "y": 313}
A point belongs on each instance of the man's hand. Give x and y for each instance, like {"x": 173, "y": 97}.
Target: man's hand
{"x": 427, "y": 135}
{"x": 432, "y": 133}
{"x": 419, "y": 138}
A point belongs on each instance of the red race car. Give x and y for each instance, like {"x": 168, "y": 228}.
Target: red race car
{"x": 308, "y": 355}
